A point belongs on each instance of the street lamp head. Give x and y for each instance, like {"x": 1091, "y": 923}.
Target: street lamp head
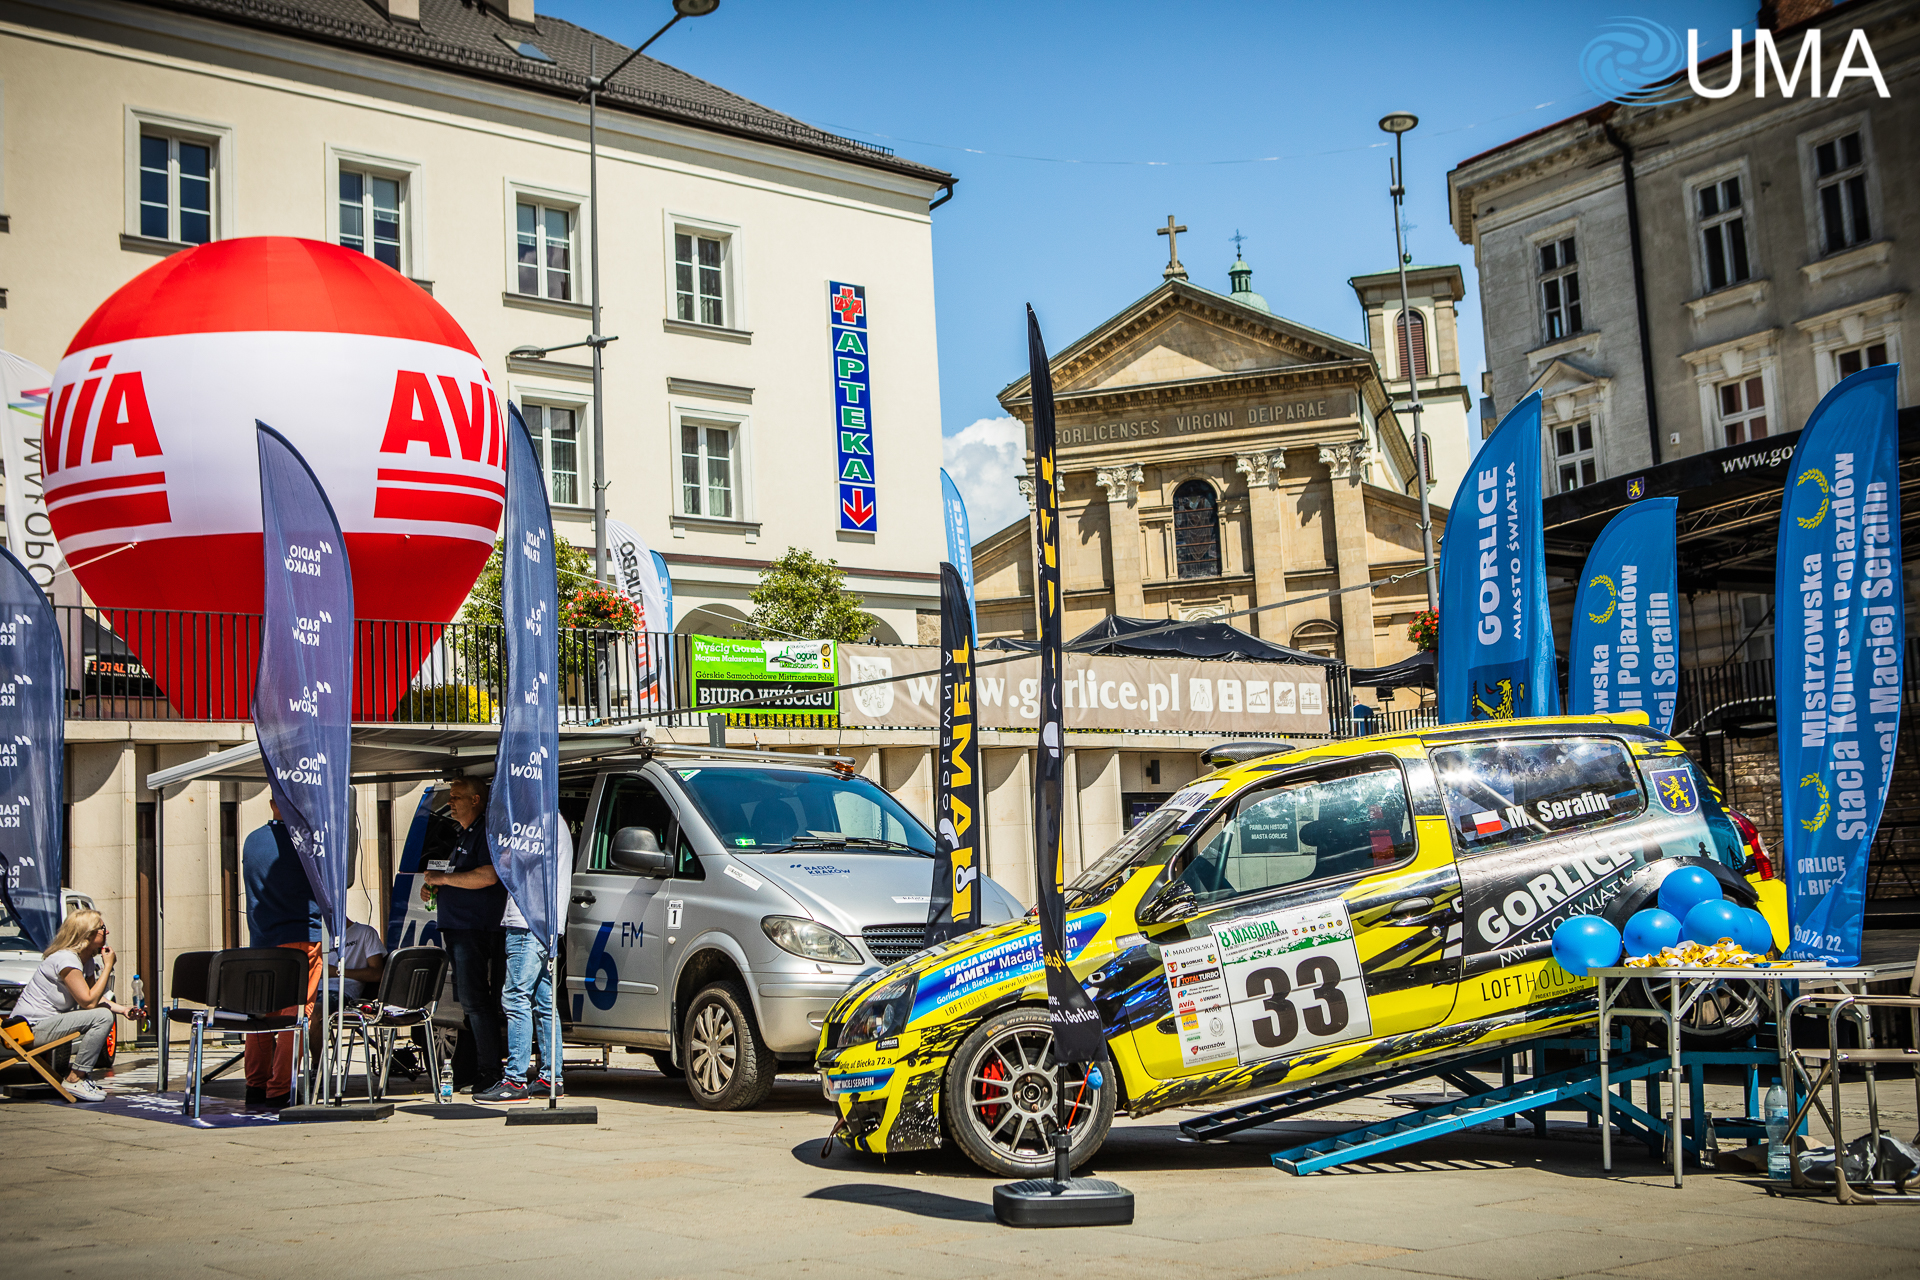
{"x": 1399, "y": 121}
{"x": 695, "y": 8}
{"x": 529, "y": 353}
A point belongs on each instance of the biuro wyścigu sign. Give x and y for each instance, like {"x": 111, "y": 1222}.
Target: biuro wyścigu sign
{"x": 853, "y": 406}
{"x": 799, "y": 673}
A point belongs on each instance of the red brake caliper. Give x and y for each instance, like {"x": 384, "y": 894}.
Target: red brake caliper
{"x": 990, "y": 1112}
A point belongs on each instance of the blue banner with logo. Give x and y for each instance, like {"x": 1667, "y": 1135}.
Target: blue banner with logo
{"x": 33, "y": 752}
{"x": 852, "y": 406}
{"x": 1496, "y": 635}
{"x": 303, "y": 694}
{"x": 1839, "y": 626}
{"x": 959, "y": 542}
{"x": 1626, "y": 639}
{"x": 523, "y": 813}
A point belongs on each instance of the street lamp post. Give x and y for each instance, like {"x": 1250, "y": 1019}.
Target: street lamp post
{"x": 595, "y": 83}
{"x": 1397, "y": 124}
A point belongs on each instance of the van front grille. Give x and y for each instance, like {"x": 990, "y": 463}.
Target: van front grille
{"x": 892, "y": 943}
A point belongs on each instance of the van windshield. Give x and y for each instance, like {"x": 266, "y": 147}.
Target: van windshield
{"x": 12, "y": 936}
{"x": 766, "y": 810}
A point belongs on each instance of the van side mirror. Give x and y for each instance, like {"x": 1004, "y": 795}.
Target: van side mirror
{"x": 638, "y": 849}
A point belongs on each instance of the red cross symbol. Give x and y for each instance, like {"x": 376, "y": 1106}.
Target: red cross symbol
{"x": 848, "y": 305}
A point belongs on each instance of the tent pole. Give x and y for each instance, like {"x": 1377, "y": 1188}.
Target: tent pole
{"x": 160, "y": 923}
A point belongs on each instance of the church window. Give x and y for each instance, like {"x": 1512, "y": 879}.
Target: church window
{"x": 1411, "y": 324}
{"x": 1560, "y": 289}
{"x": 1196, "y": 530}
{"x": 1573, "y": 454}
{"x": 1318, "y": 636}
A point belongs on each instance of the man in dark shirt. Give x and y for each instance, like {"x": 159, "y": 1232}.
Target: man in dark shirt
{"x": 472, "y": 901}
{"x": 281, "y": 912}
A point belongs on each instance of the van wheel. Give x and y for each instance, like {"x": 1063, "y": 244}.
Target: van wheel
{"x": 1000, "y": 1103}
{"x": 729, "y": 1068}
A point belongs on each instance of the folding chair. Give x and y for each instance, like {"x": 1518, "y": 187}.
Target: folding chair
{"x": 409, "y": 992}
{"x": 1833, "y": 1056}
{"x": 17, "y": 1036}
{"x": 242, "y": 991}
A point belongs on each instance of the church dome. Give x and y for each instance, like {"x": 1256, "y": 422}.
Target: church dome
{"x": 1242, "y": 276}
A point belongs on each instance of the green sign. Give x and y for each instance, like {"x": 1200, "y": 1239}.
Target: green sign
{"x": 801, "y": 673}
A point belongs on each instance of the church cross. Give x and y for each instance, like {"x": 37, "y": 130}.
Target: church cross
{"x": 1172, "y": 232}
{"x": 1238, "y": 240}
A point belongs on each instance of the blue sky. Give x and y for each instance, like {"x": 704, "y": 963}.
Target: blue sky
{"x": 1206, "y": 92}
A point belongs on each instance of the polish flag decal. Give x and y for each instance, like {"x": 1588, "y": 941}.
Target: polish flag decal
{"x": 1485, "y": 824}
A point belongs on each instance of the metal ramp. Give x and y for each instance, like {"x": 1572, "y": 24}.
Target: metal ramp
{"x": 1575, "y": 1088}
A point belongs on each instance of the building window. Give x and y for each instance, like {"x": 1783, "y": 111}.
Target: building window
{"x": 543, "y": 235}
{"x": 371, "y": 212}
{"x": 176, "y": 188}
{"x": 709, "y": 470}
{"x": 1848, "y": 363}
{"x": 1318, "y": 636}
{"x": 1743, "y": 410}
{"x": 1196, "y": 530}
{"x": 556, "y": 441}
{"x": 1723, "y": 233}
{"x": 700, "y": 278}
{"x": 1755, "y": 640}
{"x": 1573, "y": 455}
{"x": 1412, "y": 324}
{"x": 1840, "y": 172}
{"x": 1560, "y": 289}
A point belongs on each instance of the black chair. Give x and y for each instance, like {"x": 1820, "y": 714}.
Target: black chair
{"x": 241, "y": 992}
{"x": 409, "y": 991}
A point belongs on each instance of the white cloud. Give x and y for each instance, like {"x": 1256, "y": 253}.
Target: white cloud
{"x": 985, "y": 460}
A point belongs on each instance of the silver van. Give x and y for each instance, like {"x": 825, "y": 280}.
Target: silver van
{"x": 722, "y": 903}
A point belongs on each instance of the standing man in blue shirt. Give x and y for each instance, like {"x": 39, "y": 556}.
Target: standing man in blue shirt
{"x": 472, "y": 901}
{"x": 281, "y": 912}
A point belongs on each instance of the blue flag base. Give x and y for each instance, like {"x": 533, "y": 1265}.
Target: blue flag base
{"x": 1077, "y": 1202}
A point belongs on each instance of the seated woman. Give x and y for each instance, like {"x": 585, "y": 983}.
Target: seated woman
{"x": 68, "y": 993}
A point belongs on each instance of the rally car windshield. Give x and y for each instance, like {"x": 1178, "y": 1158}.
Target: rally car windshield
{"x": 1157, "y": 837}
{"x": 766, "y": 810}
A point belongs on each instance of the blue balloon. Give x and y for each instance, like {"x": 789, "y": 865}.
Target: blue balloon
{"x": 1585, "y": 942}
{"x": 1752, "y": 931}
{"x": 1709, "y": 922}
{"x": 1651, "y": 931}
{"x": 1687, "y": 888}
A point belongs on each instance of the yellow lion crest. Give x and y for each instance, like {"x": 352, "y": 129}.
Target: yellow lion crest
{"x": 1502, "y": 710}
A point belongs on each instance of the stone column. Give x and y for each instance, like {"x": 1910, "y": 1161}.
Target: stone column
{"x": 1347, "y": 464}
{"x": 103, "y": 787}
{"x": 1097, "y": 800}
{"x": 1122, "y": 482}
{"x": 1009, "y": 803}
{"x": 190, "y": 827}
{"x": 1265, "y": 517}
{"x": 907, "y": 774}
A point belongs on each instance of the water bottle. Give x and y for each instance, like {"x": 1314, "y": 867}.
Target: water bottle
{"x": 1779, "y": 1153}
{"x": 446, "y": 1083}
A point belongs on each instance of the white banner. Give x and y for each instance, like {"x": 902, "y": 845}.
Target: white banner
{"x": 24, "y": 386}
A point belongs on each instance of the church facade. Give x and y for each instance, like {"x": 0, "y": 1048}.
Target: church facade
{"x": 1216, "y": 457}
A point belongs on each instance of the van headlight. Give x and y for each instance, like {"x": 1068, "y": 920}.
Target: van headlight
{"x": 809, "y": 940}
{"x": 884, "y": 1012}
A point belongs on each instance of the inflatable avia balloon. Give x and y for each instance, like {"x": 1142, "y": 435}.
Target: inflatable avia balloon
{"x": 152, "y": 479}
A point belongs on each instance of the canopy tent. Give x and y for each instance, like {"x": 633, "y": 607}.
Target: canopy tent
{"x": 1122, "y": 636}
{"x": 381, "y": 753}
{"x": 1416, "y": 672}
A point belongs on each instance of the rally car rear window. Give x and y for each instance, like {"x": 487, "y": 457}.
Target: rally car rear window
{"x": 1509, "y": 792}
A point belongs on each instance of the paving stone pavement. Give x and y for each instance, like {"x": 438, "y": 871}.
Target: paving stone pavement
{"x": 661, "y": 1188}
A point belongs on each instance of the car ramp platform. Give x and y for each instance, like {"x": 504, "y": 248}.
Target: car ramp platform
{"x": 1520, "y": 1095}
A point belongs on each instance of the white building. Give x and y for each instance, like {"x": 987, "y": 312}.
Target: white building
{"x": 448, "y": 139}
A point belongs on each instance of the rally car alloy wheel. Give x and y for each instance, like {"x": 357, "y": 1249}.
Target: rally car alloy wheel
{"x": 728, "y": 1068}
{"x": 1727, "y": 1013}
{"x": 1001, "y": 1105}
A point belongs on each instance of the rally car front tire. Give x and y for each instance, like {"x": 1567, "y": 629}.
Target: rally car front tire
{"x": 1000, "y": 1103}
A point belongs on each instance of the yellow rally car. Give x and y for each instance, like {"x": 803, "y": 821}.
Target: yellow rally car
{"x": 1296, "y": 920}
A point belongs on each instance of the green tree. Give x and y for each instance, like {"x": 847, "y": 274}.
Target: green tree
{"x": 483, "y": 602}
{"x": 801, "y": 597}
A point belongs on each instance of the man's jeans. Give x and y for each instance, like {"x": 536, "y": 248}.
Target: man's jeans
{"x": 479, "y": 967}
{"x": 528, "y": 1001}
